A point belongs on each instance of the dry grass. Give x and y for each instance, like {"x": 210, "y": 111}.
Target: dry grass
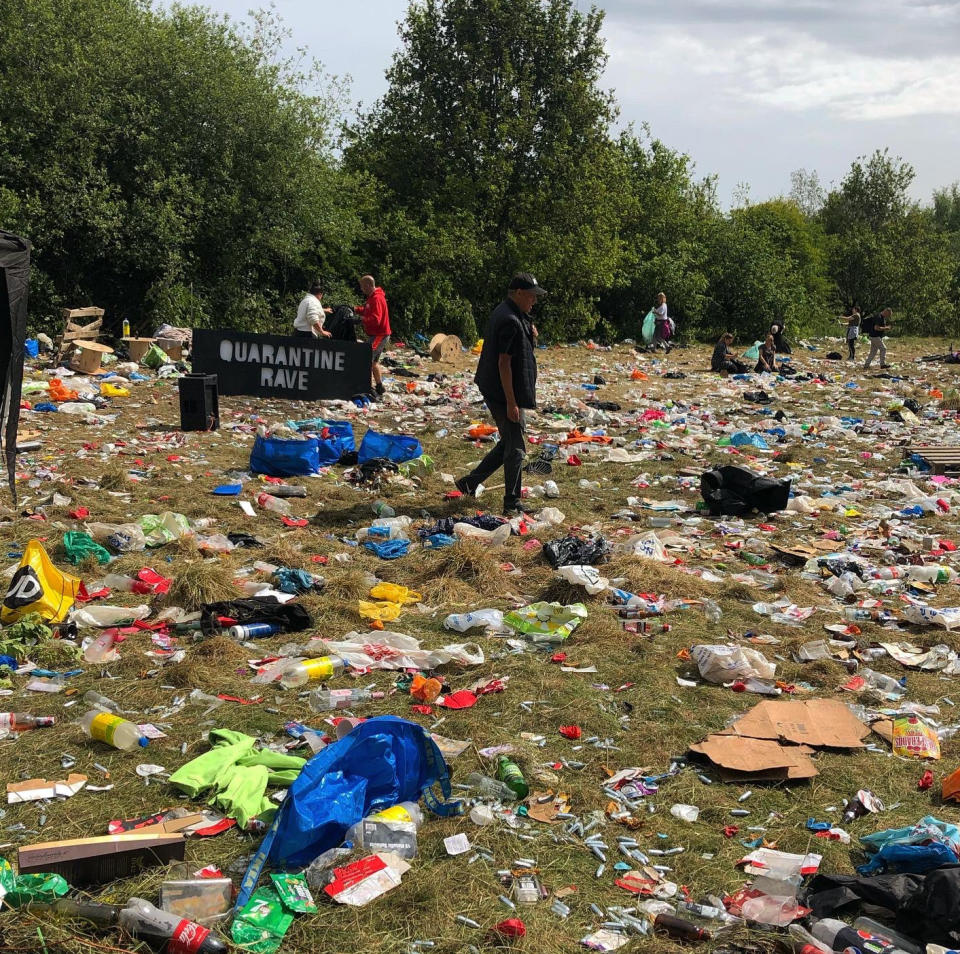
{"x": 199, "y": 582}
{"x": 633, "y": 697}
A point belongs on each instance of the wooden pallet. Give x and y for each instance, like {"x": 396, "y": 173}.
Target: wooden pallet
{"x": 73, "y": 331}
{"x": 943, "y": 458}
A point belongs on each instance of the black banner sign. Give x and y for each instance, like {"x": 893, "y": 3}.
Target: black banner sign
{"x": 299, "y": 369}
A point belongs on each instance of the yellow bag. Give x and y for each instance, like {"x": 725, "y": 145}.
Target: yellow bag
{"x": 383, "y": 611}
{"x": 395, "y": 594}
{"x": 38, "y": 587}
{"x": 912, "y": 736}
{"x": 112, "y": 390}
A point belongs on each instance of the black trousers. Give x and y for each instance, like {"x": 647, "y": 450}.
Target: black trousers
{"x": 852, "y": 348}
{"x": 507, "y": 453}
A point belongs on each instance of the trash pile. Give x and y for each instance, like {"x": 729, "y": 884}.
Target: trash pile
{"x": 260, "y": 675}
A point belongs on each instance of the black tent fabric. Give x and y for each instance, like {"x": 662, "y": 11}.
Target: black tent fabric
{"x": 735, "y": 491}
{"x": 927, "y": 906}
{"x": 14, "y": 282}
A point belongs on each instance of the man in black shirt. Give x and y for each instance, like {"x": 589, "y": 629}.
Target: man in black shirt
{"x": 876, "y": 326}
{"x": 507, "y": 378}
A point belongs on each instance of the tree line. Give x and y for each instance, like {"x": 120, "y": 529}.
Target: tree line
{"x": 171, "y": 166}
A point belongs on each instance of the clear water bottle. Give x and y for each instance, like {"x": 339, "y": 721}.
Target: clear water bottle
{"x": 712, "y": 611}
{"x": 327, "y": 700}
{"x": 113, "y": 730}
{"x": 489, "y": 787}
{"x": 94, "y": 698}
{"x": 382, "y": 509}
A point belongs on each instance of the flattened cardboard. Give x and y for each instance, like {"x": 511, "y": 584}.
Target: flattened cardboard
{"x": 35, "y": 789}
{"x": 821, "y": 723}
{"x": 760, "y": 759}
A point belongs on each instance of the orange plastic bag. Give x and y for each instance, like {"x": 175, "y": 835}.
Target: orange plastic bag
{"x": 477, "y": 431}
{"x": 424, "y": 689}
{"x": 637, "y": 375}
{"x": 58, "y": 392}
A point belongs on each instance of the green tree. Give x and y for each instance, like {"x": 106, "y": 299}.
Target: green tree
{"x": 493, "y": 151}
{"x": 667, "y": 216}
{"x": 165, "y": 165}
{"x": 886, "y": 251}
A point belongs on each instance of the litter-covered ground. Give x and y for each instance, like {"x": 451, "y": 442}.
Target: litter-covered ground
{"x": 707, "y": 691}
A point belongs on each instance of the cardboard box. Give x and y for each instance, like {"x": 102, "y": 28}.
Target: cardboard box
{"x": 84, "y": 861}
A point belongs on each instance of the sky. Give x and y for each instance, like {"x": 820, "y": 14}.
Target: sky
{"x": 750, "y": 90}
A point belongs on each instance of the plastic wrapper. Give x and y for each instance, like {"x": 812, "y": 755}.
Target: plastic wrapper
{"x": 546, "y": 623}
{"x": 261, "y": 923}
{"x": 722, "y": 664}
{"x": 913, "y": 737}
{"x": 388, "y": 650}
{"x": 164, "y": 528}
{"x": 585, "y": 576}
{"x": 570, "y": 551}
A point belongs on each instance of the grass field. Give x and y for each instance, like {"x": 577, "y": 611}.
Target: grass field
{"x": 122, "y": 470}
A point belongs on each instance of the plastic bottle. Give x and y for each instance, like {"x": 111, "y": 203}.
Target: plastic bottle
{"x": 509, "y": 773}
{"x": 288, "y": 490}
{"x": 585, "y": 484}
{"x": 103, "y": 915}
{"x": 382, "y": 509}
{"x": 840, "y": 936}
{"x": 877, "y": 680}
{"x": 119, "y": 582}
{"x": 858, "y": 614}
{"x": 679, "y": 928}
{"x": 22, "y": 721}
{"x": 95, "y": 699}
{"x": 301, "y": 671}
{"x": 712, "y": 611}
{"x": 707, "y": 911}
{"x": 141, "y": 919}
{"x": 126, "y": 327}
{"x": 386, "y": 528}
{"x": 326, "y": 700}
{"x": 489, "y": 787}
{"x": 102, "y": 648}
{"x": 881, "y": 930}
{"x": 269, "y": 502}
{"x": 930, "y": 574}
{"x": 109, "y": 728}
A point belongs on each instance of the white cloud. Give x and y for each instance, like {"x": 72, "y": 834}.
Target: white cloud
{"x": 784, "y": 70}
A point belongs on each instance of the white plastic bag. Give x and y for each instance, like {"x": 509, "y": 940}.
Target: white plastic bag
{"x": 586, "y": 576}
{"x": 721, "y": 664}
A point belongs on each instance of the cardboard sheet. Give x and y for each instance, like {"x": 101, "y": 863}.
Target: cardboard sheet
{"x": 821, "y": 723}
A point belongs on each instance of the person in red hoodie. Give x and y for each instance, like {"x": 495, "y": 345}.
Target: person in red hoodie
{"x": 376, "y": 324}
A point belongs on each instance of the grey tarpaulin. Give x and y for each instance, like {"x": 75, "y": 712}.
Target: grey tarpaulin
{"x": 14, "y": 281}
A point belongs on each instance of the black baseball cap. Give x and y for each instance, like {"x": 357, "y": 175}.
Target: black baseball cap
{"x": 524, "y": 281}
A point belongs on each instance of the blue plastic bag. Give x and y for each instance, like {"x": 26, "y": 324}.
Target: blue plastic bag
{"x": 381, "y": 762}
{"x": 389, "y": 550}
{"x": 336, "y": 440}
{"x": 396, "y": 447}
{"x": 743, "y": 439}
{"x": 280, "y": 458}
{"x": 31, "y": 348}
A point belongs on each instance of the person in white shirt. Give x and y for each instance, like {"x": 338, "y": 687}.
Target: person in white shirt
{"x": 663, "y": 329}
{"x": 310, "y": 315}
